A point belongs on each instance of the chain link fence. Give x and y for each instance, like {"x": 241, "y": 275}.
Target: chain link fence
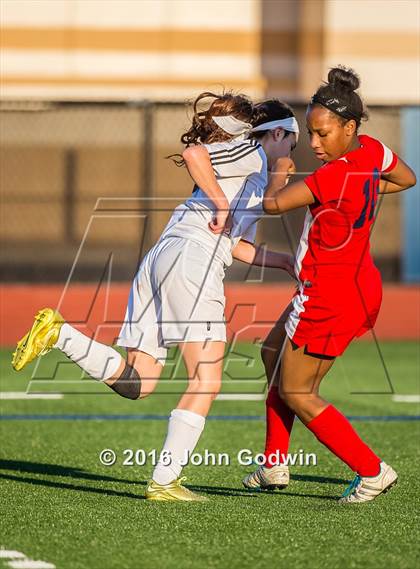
{"x": 92, "y": 180}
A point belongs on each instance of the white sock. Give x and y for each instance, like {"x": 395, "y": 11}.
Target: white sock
{"x": 98, "y": 360}
{"x": 184, "y": 430}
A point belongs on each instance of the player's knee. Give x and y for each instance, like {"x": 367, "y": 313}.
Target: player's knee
{"x": 210, "y": 387}
{"x": 214, "y": 388}
{"x": 292, "y": 400}
{"x": 128, "y": 385}
{"x": 298, "y": 402}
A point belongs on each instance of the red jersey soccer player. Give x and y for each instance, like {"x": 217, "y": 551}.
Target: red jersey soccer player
{"x": 339, "y": 291}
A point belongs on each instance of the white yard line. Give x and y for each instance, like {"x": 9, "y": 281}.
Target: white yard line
{"x": 406, "y": 398}
{"x": 24, "y": 395}
{"x": 241, "y": 397}
{"x": 18, "y": 560}
{"x": 11, "y": 554}
{"x": 30, "y": 564}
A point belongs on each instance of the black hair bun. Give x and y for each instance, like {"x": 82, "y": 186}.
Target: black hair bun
{"x": 344, "y": 78}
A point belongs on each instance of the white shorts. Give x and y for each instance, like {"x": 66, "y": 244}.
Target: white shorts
{"x": 176, "y": 296}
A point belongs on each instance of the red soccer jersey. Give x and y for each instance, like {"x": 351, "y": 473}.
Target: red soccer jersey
{"x": 340, "y": 292}
{"x": 337, "y": 226}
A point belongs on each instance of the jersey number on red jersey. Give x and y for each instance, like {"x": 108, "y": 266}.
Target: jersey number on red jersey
{"x": 370, "y": 189}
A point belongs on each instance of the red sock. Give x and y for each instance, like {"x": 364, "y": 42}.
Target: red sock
{"x": 334, "y": 431}
{"x": 279, "y": 423}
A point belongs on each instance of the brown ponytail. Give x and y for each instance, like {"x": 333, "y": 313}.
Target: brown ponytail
{"x": 203, "y": 129}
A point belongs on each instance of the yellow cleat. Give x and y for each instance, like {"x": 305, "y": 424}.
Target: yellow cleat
{"x": 172, "y": 492}
{"x": 40, "y": 339}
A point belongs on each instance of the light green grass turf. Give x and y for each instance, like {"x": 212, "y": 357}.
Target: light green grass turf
{"x": 59, "y": 504}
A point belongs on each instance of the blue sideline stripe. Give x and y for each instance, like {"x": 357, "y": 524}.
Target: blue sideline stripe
{"x": 386, "y": 418}
{"x": 410, "y": 225}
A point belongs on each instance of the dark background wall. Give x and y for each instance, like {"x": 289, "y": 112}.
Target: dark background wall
{"x": 92, "y": 181}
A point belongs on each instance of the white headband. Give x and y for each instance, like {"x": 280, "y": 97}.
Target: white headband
{"x": 234, "y": 126}
{"x": 289, "y": 124}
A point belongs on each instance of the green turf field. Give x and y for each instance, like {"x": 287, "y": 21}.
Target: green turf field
{"x": 60, "y": 505}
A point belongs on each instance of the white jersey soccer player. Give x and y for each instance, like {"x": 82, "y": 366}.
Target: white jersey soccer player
{"x": 177, "y": 297}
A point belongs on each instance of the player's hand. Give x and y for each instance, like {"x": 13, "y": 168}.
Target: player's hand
{"x": 284, "y": 165}
{"x": 290, "y": 171}
{"x": 220, "y": 222}
{"x": 280, "y": 174}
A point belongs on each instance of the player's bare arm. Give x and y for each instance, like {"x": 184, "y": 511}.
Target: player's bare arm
{"x": 260, "y": 257}
{"x": 199, "y": 167}
{"x": 281, "y": 196}
{"x": 398, "y": 179}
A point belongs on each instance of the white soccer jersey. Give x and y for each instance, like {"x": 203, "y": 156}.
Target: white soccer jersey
{"x": 241, "y": 171}
{"x": 177, "y": 295}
